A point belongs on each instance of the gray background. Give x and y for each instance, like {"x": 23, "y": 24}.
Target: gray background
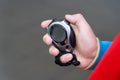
{"x": 23, "y": 55}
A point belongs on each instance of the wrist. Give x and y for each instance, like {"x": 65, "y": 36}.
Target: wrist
{"x": 88, "y": 56}
{"x": 102, "y": 48}
{"x": 95, "y": 55}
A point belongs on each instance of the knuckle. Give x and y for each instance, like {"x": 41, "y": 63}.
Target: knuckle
{"x": 50, "y": 50}
{"x": 53, "y": 51}
{"x": 44, "y": 38}
{"x": 47, "y": 39}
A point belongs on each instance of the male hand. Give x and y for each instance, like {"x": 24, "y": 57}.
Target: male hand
{"x": 86, "y": 42}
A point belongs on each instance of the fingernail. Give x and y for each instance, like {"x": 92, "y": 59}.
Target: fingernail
{"x": 70, "y": 17}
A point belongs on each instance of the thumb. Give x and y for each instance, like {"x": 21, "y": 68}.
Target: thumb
{"x": 71, "y": 18}
{"x": 76, "y": 19}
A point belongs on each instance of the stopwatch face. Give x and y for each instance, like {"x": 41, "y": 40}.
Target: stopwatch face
{"x": 58, "y": 33}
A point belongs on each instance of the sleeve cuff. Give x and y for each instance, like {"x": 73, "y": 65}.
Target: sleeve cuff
{"x": 102, "y": 48}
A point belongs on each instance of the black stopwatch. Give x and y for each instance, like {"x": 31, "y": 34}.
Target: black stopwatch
{"x": 63, "y": 38}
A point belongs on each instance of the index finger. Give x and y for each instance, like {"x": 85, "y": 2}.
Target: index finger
{"x": 45, "y": 23}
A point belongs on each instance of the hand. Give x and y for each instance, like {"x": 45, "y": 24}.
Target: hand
{"x": 86, "y": 43}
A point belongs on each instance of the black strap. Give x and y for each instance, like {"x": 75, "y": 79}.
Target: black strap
{"x": 72, "y": 62}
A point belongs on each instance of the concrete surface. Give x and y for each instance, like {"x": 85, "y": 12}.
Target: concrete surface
{"x": 23, "y": 55}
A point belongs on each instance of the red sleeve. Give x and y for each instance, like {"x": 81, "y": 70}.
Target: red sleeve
{"x": 109, "y": 66}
